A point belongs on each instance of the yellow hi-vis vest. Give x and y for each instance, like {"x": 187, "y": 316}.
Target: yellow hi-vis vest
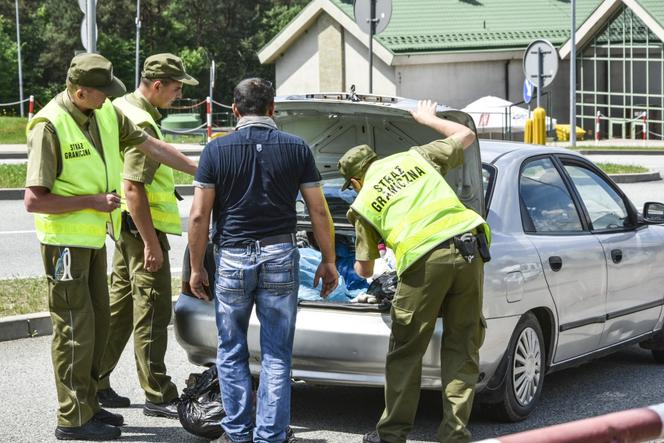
{"x": 161, "y": 192}
{"x": 84, "y": 172}
{"x": 412, "y": 207}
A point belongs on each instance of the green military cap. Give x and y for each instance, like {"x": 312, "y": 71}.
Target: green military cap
{"x": 167, "y": 65}
{"x": 95, "y": 71}
{"x": 354, "y": 163}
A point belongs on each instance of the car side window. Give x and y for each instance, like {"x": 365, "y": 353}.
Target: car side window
{"x": 605, "y": 206}
{"x": 547, "y": 200}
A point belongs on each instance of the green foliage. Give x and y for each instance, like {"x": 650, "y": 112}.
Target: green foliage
{"x": 229, "y": 32}
{"x": 9, "y": 72}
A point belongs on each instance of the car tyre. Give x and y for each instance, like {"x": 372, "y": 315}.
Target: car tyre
{"x": 658, "y": 355}
{"x": 524, "y": 376}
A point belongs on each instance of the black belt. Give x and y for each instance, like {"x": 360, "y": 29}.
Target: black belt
{"x": 267, "y": 241}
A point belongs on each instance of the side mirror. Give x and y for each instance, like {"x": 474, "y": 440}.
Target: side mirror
{"x": 653, "y": 212}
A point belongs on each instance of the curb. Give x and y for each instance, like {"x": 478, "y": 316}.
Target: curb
{"x": 636, "y": 178}
{"x": 18, "y": 193}
{"x": 37, "y": 324}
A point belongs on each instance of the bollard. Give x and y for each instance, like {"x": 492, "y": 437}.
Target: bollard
{"x": 528, "y": 131}
{"x": 645, "y": 126}
{"x": 208, "y": 101}
{"x": 31, "y": 107}
{"x": 539, "y": 126}
{"x": 597, "y": 121}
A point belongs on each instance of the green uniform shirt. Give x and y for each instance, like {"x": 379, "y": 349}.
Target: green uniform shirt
{"x": 44, "y": 163}
{"x": 443, "y": 155}
{"x": 137, "y": 166}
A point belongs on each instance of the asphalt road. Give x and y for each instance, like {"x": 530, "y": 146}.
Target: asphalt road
{"x": 628, "y": 379}
{"x": 19, "y": 248}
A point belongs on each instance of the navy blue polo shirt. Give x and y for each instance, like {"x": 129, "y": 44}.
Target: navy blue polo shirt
{"x": 257, "y": 172}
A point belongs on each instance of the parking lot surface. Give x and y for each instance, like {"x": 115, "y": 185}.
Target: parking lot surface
{"x": 628, "y": 379}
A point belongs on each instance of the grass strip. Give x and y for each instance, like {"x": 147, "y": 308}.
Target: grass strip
{"x": 613, "y": 168}
{"x": 13, "y": 176}
{"x": 27, "y": 295}
{"x": 618, "y": 148}
{"x": 12, "y": 130}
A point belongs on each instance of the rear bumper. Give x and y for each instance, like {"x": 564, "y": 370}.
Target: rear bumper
{"x": 332, "y": 346}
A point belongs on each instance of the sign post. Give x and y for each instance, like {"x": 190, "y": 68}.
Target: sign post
{"x": 138, "y": 40}
{"x": 372, "y": 16}
{"x": 20, "y": 68}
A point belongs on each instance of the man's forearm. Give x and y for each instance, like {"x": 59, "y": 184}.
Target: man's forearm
{"x": 139, "y": 208}
{"x": 451, "y": 129}
{"x": 168, "y": 155}
{"x": 48, "y": 203}
{"x": 323, "y": 228}
{"x": 198, "y": 238}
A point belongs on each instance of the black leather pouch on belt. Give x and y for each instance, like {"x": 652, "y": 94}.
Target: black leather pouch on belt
{"x": 466, "y": 244}
{"x": 483, "y": 246}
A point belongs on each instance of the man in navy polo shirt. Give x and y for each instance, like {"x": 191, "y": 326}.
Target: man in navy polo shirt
{"x": 250, "y": 179}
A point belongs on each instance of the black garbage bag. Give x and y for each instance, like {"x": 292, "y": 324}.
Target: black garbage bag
{"x": 384, "y": 287}
{"x": 200, "y": 409}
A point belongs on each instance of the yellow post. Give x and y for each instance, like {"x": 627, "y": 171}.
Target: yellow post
{"x": 528, "y": 131}
{"x": 539, "y": 126}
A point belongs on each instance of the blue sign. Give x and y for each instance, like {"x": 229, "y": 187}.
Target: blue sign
{"x": 527, "y": 91}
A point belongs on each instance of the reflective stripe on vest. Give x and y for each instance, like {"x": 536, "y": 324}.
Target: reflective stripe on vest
{"x": 412, "y": 207}
{"x": 161, "y": 192}
{"x": 84, "y": 172}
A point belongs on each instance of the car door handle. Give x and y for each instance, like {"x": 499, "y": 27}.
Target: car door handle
{"x": 616, "y": 255}
{"x": 556, "y": 263}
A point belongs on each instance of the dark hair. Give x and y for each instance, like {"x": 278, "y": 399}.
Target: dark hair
{"x": 253, "y": 96}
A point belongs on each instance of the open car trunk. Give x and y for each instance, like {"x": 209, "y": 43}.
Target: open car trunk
{"x": 336, "y": 342}
{"x": 333, "y": 123}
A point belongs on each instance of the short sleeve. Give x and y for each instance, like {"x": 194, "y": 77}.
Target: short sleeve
{"x": 130, "y": 133}
{"x": 137, "y": 166}
{"x": 366, "y": 238}
{"x": 207, "y": 172}
{"x": 444, "y": 154}
{"x": 43, "y": 150}
{"x": 310, "y": 175}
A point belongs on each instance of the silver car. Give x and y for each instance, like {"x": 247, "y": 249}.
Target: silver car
{"x": 576, "y": 271}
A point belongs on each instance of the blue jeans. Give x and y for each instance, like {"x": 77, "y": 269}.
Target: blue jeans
{"x": 267, "y": 277}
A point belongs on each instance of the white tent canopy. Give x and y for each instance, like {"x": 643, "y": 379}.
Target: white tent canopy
{"x": 493, "y": 114}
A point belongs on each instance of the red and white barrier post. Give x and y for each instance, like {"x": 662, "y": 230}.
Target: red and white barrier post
{"x": 208, "y": 101}
{"x": 31, "y": 107}
{"x": 631, "y": 426}
{"x": 645, "y": 126}
{"x": 597, "y": 121}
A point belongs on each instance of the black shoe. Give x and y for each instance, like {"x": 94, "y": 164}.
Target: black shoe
{"x": 373, "y": 437}
{"x": 108, "y": 398}
{"x": 92, "y": 430}
{"x": 166, "y": 410}
{"x": 109, "y": 418}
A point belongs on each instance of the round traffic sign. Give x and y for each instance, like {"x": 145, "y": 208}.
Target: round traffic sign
{"x": 531, "y": 62}
{"x": 362, "y": 9}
